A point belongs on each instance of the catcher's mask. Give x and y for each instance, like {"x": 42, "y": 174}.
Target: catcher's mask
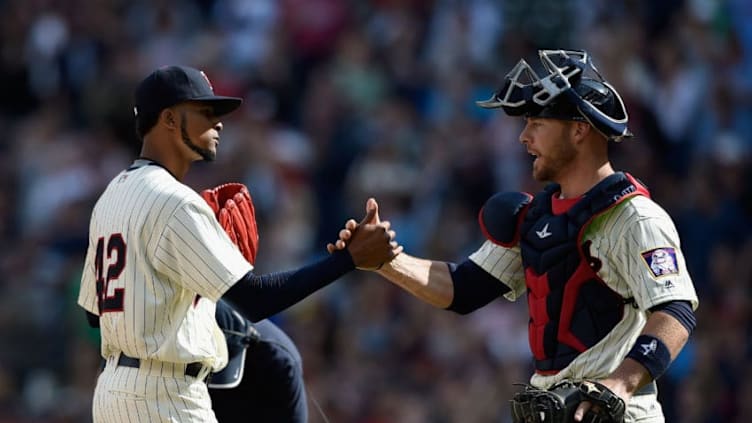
{"x": 564, "y": 93}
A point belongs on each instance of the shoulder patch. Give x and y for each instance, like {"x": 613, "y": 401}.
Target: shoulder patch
{"x": 661, "y": 261}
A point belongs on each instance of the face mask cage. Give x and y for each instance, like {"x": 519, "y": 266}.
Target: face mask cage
{"x": 558, "y": 94}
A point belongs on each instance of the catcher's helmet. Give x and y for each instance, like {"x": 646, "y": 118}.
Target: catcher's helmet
{"x": 565, "y": 93}
{"x": 239, "y": 335}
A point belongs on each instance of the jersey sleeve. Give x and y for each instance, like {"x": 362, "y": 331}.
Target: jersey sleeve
{"x": 195, "y": 251}
{"x": 87, "y": 295}
{"x": 652, "y": 262}
{"x": 503, "y": 263}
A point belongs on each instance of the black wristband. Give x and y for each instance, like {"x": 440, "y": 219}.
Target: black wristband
{"x": 652, "y": 353}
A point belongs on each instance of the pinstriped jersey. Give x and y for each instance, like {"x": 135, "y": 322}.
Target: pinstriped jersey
{"x": 156, "y": 264}
{"x": 639, "y": 248}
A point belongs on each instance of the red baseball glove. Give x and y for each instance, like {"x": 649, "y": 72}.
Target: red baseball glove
{"x": 233, "y": 207}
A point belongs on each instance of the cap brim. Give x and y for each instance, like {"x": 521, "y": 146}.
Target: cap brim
{"x": 231, "y": 376}
{"x": 221, "y": 105}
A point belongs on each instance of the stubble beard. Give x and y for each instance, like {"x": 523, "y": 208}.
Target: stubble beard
{"x": 206, "y": 154}
{"x": 557, "y": 159}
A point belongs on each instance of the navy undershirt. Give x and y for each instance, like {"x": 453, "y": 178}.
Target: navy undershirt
{"x": 473, "y": 287}
{"x": 259, "y": 297}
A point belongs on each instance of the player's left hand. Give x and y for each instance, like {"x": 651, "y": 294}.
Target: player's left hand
{"x": 563, "y": 401}
{"x": 233, "y": 208}
{"x": 614, "y": 388}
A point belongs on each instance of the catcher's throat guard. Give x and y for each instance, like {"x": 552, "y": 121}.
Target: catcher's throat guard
{"x": 564, "y": 93}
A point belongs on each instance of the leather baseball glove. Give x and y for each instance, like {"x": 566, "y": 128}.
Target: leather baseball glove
{"x": 558, "y": 404}
{"x": 233, "y": 207}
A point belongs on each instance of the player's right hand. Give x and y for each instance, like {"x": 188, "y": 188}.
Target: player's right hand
{"x": 350, "y": 225}
{"x": 344, "y": 237}
{"x": 371, "y": 243}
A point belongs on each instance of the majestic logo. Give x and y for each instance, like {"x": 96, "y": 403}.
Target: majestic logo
{"x": 661, "y": 261}
{"x": 649, "y": 348}
{"x": 544, "y": 233}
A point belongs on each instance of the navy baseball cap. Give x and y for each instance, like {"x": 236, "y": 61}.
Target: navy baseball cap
{"x": 170, "y": 85}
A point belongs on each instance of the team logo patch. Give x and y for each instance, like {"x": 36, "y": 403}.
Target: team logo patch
{"x": 661, "y": 261}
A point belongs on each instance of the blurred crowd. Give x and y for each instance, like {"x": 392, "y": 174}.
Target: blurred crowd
{"x": 346, "y": 99}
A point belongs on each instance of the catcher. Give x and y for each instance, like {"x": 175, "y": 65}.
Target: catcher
{"x": 609, "y": 298}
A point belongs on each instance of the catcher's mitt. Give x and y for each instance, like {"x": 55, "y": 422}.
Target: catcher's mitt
{"x": 233, "y": 206}
{"x": 558, "y": 404}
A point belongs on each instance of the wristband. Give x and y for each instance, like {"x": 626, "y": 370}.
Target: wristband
{"x": 652, "y": 353}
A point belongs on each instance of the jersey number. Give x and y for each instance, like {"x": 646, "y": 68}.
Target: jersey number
{"x": 116, "y": 262}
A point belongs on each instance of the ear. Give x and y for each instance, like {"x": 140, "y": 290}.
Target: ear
{"x": 580, "y": 130}
{"x": 168, "y": 116}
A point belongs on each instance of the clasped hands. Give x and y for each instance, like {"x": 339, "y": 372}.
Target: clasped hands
{"x": 370, "y": 242}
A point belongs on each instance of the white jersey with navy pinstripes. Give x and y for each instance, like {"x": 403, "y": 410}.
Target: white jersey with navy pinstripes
{"x": 157, "y": 263}
{"x": 638, "y": 245}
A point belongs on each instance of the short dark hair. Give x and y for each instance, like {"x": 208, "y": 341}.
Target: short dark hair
{"x": 144, "y": 123}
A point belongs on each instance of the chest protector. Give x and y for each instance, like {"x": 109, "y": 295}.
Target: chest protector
{"x": 571, "y": 308}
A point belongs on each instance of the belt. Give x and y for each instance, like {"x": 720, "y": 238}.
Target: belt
{"x": 191, "y": 369}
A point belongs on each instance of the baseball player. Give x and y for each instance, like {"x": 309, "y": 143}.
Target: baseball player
{"x": 609, "y": 297}
{"x": 158, "y": 261}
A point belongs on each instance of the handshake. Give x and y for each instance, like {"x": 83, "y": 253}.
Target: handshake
{"x": 370, "y": 242}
